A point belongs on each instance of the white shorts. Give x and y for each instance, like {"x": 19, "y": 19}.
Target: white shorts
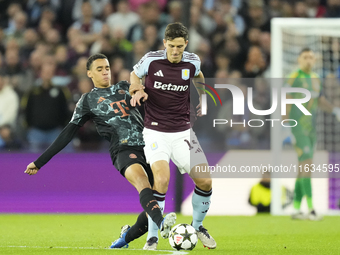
{"x": 182, "y": 148}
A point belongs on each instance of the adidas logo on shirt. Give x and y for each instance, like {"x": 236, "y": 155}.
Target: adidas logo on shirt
{"x": 159, "y": 73}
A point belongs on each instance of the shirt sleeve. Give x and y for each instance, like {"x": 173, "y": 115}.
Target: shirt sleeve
{"x": 197, "y": 64}
{"x": 193, "y": 59}
{"x": 291, "y": 79}
{"x": 60, "y": 142}
{"x": 142, "y": 67}
{"x": 124, "y": 85}
{"x": 82, "y": 111}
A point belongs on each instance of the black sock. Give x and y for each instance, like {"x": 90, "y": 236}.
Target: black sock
{"x": 150, "y": 206}
{"x": 138, "y": 229}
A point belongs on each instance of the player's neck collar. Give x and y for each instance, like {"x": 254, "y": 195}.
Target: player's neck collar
{"x": 305, "y": 72}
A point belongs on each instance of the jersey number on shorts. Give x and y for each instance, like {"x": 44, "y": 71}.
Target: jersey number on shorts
{"x": 190, "y": 147}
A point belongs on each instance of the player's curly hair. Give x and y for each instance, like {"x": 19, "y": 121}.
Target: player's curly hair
{"x": 93, "y": 58}
{"x": 175, "y": 30}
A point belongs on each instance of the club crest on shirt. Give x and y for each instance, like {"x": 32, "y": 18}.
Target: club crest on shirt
{"x": 185, "y": 74}
{"x": 154, "y": 146}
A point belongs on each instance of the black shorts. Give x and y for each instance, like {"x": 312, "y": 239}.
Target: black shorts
{"x": 129, "y": 156}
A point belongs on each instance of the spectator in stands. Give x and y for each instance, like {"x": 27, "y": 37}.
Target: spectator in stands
{"x": 124, "y": 75}
{"x": 17, "y": 33}
{"x": 138, "y": 51}
{"x": 53, "y": 40}
{"x": 151, "y": 38}
{"x": 221, "y": 75}
{"x": 63, "y": 67}
{"x": 77, "y": 74}
{"x": 36, "y": 7}
{"x": 123, "y": 19}
{"x": 12, "y": 9}
{"x": 333, "y": 9}
{"x": 2, "y": 41}
{"x": 44, "y": 26}
{"x": 175, "y": 11}
{"x": 50, "y": 15}
{"x": 196, "y": 31}
{"x": 13, "y": 67}
{"x": 300, "y": 9}
{"x": 222, "y": 61}
{"x": 207, "y": 65}
{"x": 255, "y": 64}
{"x": 3, "y": 17}
{"x": 9, "y": 106}
{"x": 314, "y": 9}
{"x": 257, "y": 15}
{"x": 104, "y": 43}
{"x": 76, "y": 47}
{"x": 275, "y": 8}
{"x": 287, "y": 10}
{"x": 97, "y": 7}
{"x": 32, "y": 72}
{"x": 135, "y": 4}
{"x": 88, "y": 26}
{"x": 117, "y": 65}
{"x": 253, "y": 36}
{"x": 149, "y": 13}
{"x": 236, "y": 53}
{"x": 230, "y": 16}
{"x": 30, "y": 40}
{"x": 265, "y": 43}
{"x": 46, "y": 110}
{"x": 107, "y": 11}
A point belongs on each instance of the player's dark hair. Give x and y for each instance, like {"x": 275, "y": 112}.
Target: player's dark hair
{"x": 305, "y": 50}
{"x": 93, "y": 58}
{"x": 175, "y": 30}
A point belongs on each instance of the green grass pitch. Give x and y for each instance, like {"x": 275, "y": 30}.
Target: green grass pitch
{"x": 93, "y": 234}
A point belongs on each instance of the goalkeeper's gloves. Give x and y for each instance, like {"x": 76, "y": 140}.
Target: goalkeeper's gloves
{"x": 336, "y": 112}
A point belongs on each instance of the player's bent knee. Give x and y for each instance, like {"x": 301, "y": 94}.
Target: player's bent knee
{"x": 161, "y": 183}
{"x": 204, "y": 183}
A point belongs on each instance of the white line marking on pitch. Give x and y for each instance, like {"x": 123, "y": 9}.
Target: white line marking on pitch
{"x": 94, "y": 248}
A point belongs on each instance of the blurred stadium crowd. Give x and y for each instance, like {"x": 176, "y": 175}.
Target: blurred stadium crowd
{"x": 44, "y": 45}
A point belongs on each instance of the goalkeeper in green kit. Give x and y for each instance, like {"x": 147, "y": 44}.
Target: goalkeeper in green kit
{"x": 305, "y": 131}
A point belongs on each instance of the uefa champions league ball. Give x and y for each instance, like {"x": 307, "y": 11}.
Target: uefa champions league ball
{"x": 183, "y": 237}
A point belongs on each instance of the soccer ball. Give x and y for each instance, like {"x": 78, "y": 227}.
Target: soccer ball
{"x": 183, "y": 237}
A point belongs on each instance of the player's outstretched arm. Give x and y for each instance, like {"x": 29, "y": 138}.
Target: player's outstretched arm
{"x": 136, "y": 84}
{"x": 60, "y": 142}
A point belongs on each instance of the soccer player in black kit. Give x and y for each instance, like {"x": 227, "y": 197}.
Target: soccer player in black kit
{"x": 122, "y": 125}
